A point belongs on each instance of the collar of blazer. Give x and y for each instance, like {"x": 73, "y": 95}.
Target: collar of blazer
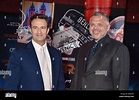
{"x": 102, "y": 43}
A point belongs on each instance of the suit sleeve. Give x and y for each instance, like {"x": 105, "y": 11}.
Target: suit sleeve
{"x": 12, "y": 80}
{"x": 121, "y": 68}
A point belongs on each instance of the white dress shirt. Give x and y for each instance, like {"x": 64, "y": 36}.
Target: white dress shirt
{"x": 37, "y": 49}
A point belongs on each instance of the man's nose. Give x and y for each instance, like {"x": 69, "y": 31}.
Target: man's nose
{"x": 39, "y": 30}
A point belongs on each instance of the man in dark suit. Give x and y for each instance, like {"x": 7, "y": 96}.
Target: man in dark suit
{"x": 25, "y": 64}
{"x": 108, "y": 68}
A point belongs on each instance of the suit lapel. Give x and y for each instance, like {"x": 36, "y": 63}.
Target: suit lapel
{"x": 96, "y": 56}
{"x": 33, "y": 56}
{"x": 86, "y": 53}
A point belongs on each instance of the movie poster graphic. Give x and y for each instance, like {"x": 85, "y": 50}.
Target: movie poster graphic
{"x": 117, "y": 28}
{"x": 29, "y": 8}
{"x": 73, "y": 32}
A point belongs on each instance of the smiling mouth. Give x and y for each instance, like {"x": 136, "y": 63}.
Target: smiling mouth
{"x": 95, "y": 33}
{"x": 40, "y": 35}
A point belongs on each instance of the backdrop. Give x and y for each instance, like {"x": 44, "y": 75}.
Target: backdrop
{"x": 68, "y": 33}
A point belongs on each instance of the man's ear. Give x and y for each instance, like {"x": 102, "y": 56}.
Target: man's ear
{"x": 108, "y": 28}
{"x": 48, "y": 30}
{"x": 30, "y": 30}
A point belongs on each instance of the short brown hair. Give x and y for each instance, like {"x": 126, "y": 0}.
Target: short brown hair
{"x": 40, "y": 16}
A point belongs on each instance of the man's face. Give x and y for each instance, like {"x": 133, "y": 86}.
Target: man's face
{"x": 39, "y": 30}
{"x": 98, "y": 27}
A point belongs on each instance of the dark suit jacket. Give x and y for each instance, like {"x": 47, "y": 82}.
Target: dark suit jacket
{"x": 107, "y": 70}
{"x": 26, "y": 73}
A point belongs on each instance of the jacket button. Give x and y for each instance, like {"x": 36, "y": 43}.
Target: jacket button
{"x": 117, "y": 86}
{"x": 85, "y": 86}
{"x": 21, "y": 86}
{"x": 53, "y": 86}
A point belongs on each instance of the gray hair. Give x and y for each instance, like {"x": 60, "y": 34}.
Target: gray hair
{"x": 102, "y": 14}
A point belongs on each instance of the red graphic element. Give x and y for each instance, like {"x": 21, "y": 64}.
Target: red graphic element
{"x": 68, "y": 68}
{"x": 91, "y": 6}
{"x": 117, "y": 28}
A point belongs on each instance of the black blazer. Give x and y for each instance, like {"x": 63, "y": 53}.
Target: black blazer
{"x": 107, "y": 70}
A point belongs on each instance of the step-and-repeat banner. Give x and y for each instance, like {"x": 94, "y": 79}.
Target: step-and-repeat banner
{"x": 68, "y": 30}
{"x": 8, "y": 41}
